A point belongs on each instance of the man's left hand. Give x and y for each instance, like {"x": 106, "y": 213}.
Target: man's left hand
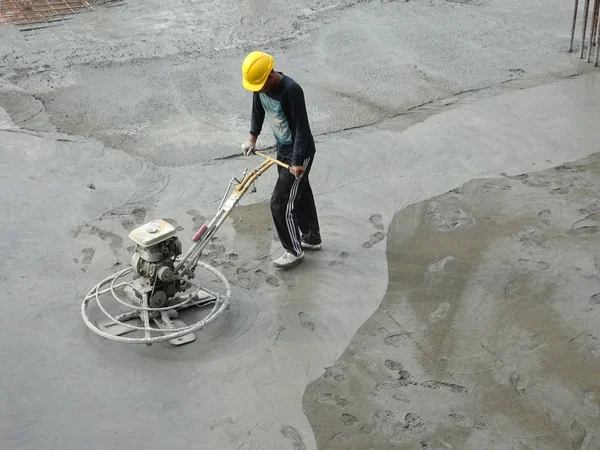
{"x": 297, "y": 171}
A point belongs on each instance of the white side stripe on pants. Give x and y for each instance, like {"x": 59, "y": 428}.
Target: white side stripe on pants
{"x": 289, "y": 218}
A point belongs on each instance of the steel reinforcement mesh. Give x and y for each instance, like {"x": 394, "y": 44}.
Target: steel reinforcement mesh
{"x": 21, "y": 12}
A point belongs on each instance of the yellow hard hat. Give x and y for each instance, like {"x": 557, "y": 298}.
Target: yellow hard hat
{"x": 255, "y": 69}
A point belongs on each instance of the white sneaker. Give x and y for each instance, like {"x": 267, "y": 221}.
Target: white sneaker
{"x": 288, "y": 260}
{"x": 307, "y": 246}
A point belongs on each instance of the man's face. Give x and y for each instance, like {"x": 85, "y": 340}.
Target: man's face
{"x": 268, "y": 84}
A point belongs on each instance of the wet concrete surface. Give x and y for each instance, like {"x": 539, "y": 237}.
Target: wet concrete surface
{"x": 487, "y": 336}
{"x": 136, "y": 116}
{"x": 241, "y": 384}
{"x": 165, "y": 84}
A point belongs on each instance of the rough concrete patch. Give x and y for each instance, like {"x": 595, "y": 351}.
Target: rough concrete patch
{"x": 510, "y": 331}
{"x": 294, "y": 437}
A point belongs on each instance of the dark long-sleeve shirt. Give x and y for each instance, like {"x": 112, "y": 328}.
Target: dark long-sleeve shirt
{"x": 285, "y": 110}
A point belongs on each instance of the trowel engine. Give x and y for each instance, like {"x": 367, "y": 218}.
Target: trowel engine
{"x": 153, "y": 260}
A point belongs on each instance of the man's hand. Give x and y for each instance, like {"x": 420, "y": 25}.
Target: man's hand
{"x": 297, "y": 171}
{"x": 249, "y": 147}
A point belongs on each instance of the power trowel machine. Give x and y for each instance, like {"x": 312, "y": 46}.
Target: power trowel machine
{"x": 161, "y": 282}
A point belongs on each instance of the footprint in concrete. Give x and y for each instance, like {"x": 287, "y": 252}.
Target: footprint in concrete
{"x": 490, "y": 185}
{"x": 458, "y": 219}
{"x": 527, "y": 237}
{"x": 595, "y": 299}
{"x": 535, "y": 341}
{"x": 565, "y": 168}
{"x": 533, "y": 266}
{"x": 292, "y": 434}
{"x": 329, "y": 373}
{"x": 197, "y": 219}
{"x": 139, "y": 214}
{"x": 412, "y": 422}
{"x": 396, "y": 340}
{"x": 459, "y": 420}
{"x": 272, "y": 280}
{"x": 115, "y": 242}
{"x": 375, "y": 238}
{"x": 583, "y": 230}
{"x": 377, "y": 221}
{"x": 88, "y": 255}
{"x": 400, "y": 397}
{"x": 432, "y": 207}
{"x": 393, "y": 387}
{"x": 304, "y": 322}
{"x": 435, "y": 445}
{"x": 248, "y": 278}
{"x": 517, "y": 380}
{"x": 590, "y": 404}
{"x": 175, "y": 224}
{"x": 479, "y": 425}
{"x": 349, "y": 419}
{"x": 386, "y": 423}
{"x": 215, "y": 248}
{"x": 216, "y": 255}
{"x": 393, "y": 365}
{"x": 335, "y": 400}
{"x": 521, "y": 177}
{"x": 440, "y": 313}
{"x": 560, "y": 191}
{"x": 290, "y": 280}
{"x": 544, "y": 217}
{"x": 456, "y": 388}
{"x": 288, "y": 277}
{"x": 340, "y": 259}
{"x": 405, "y": 378}
{"x": 577, "y": 433}
{"x": 128, "y": 224}
{"x": 438, "y": 266}
{"x": 462, "y": 421}
{"x": 537, "y": 183}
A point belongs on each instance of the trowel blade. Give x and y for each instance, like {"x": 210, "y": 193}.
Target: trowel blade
{"x": 117, "y": 329}
{"x": 177, "y": 323}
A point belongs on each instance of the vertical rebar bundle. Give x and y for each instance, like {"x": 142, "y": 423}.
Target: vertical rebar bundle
{"x": 593, "y": 27}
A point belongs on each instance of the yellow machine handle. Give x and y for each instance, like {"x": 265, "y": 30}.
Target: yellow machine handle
{"x": 276, "y": 161}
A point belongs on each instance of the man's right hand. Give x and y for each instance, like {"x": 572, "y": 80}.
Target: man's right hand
{"x": 249, "y": 148}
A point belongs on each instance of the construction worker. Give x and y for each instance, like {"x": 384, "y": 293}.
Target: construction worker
{"x": 281, "y": 100}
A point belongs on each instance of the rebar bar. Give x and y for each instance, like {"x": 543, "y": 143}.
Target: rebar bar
{"x": 586, "y": 11}
{"x": 597, "y": 41}
{"x": 594, "y": 29}
{"x": 574, "y": 24}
